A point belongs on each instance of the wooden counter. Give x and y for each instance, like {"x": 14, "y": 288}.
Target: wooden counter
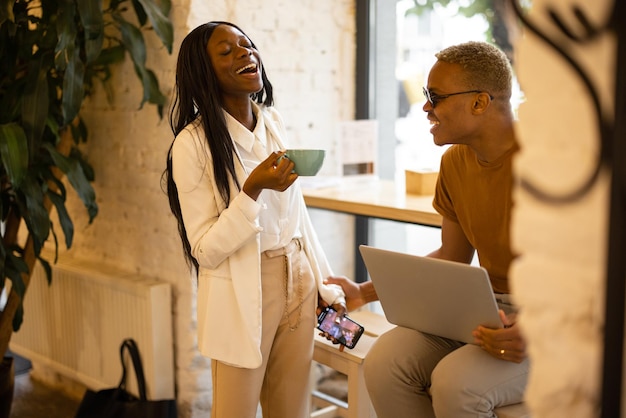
{"x": 372, "y": 198}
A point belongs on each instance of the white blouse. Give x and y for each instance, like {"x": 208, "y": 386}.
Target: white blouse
{"x": 279, "y": 218}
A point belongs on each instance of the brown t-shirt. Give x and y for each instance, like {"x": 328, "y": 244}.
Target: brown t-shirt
{"x": 477, "y": 196}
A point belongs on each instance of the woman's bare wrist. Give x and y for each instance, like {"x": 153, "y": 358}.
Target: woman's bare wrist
{"x": 368, "y": 293}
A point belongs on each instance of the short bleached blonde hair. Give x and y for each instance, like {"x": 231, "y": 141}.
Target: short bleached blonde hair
{"x": 486, "y": 67}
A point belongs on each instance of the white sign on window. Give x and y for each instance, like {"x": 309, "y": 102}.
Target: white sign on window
{"x": 359, "y": 142}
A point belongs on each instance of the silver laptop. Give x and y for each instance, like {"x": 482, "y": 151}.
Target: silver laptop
{"x": 434, "y": 296}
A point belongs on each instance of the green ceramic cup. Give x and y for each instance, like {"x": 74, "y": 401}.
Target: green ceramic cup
{"x": 308, "y": 161}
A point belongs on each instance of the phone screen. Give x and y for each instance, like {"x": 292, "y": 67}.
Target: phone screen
{"x": 345, "y": 330}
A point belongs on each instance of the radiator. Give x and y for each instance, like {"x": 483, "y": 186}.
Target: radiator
{"x": 76, "y": 325}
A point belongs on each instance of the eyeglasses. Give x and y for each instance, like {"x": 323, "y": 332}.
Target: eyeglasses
{"x": 434, "y": 99}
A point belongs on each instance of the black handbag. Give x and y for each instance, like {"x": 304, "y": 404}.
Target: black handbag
{"x": 118, "y": 403}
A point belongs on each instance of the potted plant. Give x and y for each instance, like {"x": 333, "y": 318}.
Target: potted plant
{"x": 52, "y": 54}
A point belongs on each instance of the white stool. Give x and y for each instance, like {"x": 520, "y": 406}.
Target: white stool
{"x": 350, "y": 363}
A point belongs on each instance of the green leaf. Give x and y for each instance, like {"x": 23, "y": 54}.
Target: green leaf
{"x": 155, "y": 96}
{"x": 90, "y": 12}
{"x": 73, "y": 86}
{"x": 79, "y": 132}
{"x": 14, "y": 269}
{"x": 14, "y": 151}
{"x": 56, "y": 241}
{"x": 18, "y": 318}
{"x": 58, "y": 183}
{"x": 77, "y": 179}
{"x": 477, "y": 7}
{"x": 87, "y": 168}
{"x": 142, "y": 17}
{"x": 161, "y": 24}
{"x": 82, "y": 128}
{"x": 111, "y": 55}
{"x": 166, "y": 6}
{"x": 132, "y": 38}
{"x": 17, "y": 263}
{"x": 66, "y": 33}
{"x": 151, "y": 92}
{"x": 53, "y": 125}
{"x": 35, "y": 104}
{"x": 35, "y": 214}
{"x": 64, "y": 217}
{"x": 134, "y": 42}
{"x": 47, "y": 269}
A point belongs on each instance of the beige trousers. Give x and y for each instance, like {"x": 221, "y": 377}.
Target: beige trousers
{"x": 410, "y": 374}
{"x": 281, "y": 383}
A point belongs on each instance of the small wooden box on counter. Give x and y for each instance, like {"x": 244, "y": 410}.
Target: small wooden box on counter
{"x": 420, "y": 182}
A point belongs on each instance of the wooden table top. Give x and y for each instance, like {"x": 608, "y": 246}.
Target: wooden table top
{"x": 371, "y": 197}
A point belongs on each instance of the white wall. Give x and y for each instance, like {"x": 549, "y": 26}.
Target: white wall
{"x": 559, "y": 278}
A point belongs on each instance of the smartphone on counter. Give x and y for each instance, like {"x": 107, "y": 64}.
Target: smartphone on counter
{"x": 345, "y": 330}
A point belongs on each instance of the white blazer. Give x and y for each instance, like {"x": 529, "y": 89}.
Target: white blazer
{"x": 226, "y": 243}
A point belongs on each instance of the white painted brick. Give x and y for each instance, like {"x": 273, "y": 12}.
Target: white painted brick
{"x": 559, "y": 279}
